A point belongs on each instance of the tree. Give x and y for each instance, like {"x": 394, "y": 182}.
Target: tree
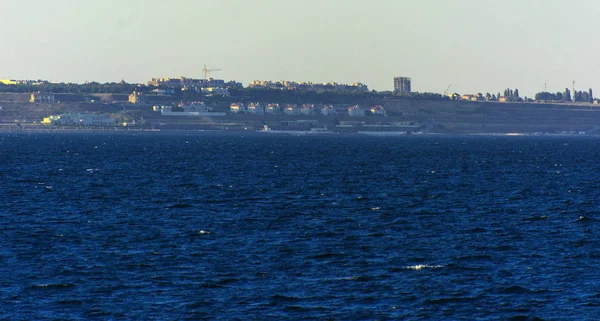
{"x": 591, "y": 96}
{"x": 558, "y": 96}
{"x": 545, "y": 96}
{"x": 567, "y": 95}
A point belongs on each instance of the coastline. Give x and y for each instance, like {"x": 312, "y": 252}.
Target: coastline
{"x": 28, "y": 129}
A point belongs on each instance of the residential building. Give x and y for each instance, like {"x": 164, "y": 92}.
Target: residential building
{"x": 233, "y": 84}
{"x": 194, "y": 106}
{"x": 256, "y": 109}
{"x": 328, "y": 110}
{"x": 307, "y": 85}
{"x": 8, "y": 82}
{"x": 23, "y": 82}
{"x": 42, "y": 97}
{"x": 378, "y": 111}
{"x": 272, "y": 109}
{"x": 212, "y": 91}
{"x": 180, "y": 82}
{"x": 475, "y": 97}
{"x": 307, "y": 109}
{"x": 402, "y": 85}
{"x": 79, "y": 119}
{"x": 137, "y": 97}
{"x": 291, "y": 110}
{"x": 237, "y": 108}
{"x": 163, "y": 91}
{"x": 355, "y": 111}
{"x": 454, "y": 96}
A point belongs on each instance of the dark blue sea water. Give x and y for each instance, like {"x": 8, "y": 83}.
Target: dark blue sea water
{"x": 201, "y": 227}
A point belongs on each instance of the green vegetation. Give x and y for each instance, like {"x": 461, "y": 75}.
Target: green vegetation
{"x": 64, "y": 88}
{"x": 578, "y": 96}
{"x": 549, "y": 96}
{"x": 322, "y": 96}
{"x": 236, "y": 94}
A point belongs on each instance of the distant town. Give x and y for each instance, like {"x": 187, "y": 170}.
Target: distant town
{"x": 293, "y": 107}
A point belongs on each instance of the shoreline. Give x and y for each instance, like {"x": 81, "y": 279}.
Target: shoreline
{"x": 188, "y": 132}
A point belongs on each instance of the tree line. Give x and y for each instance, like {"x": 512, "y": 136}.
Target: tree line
{"x": 566, "y": 96}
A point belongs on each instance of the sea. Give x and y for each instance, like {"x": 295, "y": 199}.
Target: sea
{"x": 158, "y": 226}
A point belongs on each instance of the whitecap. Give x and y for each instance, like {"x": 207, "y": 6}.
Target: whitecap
{"x": 423, "y": 266}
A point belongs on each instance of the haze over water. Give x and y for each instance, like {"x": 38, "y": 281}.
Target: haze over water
{"x": 171, "y": 227}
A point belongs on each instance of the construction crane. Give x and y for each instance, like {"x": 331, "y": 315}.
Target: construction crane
{"x": 446, "y": 91}
{"x": 208, "y": 71}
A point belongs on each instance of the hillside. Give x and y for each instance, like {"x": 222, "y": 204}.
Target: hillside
{"x": 446, "y": 116}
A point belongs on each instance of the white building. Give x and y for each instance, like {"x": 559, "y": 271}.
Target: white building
{"x": 328, "y": 110}
{"x": 79, "y": 120}
{"x": 219, "y": 91}
{"x": 355, "y": 111}
{"x": 307, "y": 109}
{"x": 193, "y": 109}
{"x": 291, "y": 110}
{"x": 378, "y": 111}
{"x": 272, "y": 109}
{"x": 256, "y": 109}
{"x": 42, "y": 97}
{"x": 237, "y": 108}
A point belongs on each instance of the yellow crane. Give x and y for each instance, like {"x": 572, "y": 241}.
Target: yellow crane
{"x": 208, "y": 71}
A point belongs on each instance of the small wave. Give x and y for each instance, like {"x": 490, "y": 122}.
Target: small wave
{"x": 284, "y": 298}
{"x": 353, "y": 278}
{"x": 515, "y": 289}
{"x": 179, "y": 205}
{"x": 476, "y": 230}
{"x": 475, "y": 258}
{"x": 72, "y": 303}
{"x": 51, "y": 286}
{"x": 525, "y": 318}
{"x": 228, "y": 281}
{"x": 198, "y": 304}
{"x": 211, "y": 285}
{"x": 584, "y": 219}
{"x": 503, "y": 248}
{"x": 295, "y": 308}
{"x": 450, "y": 300}
{"x": 323, "y": 256}
{"x": 536, "y": 218}
{"x": 423, "y": 266}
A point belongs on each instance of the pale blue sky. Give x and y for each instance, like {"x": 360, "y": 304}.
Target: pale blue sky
{"x": 475, "y": 45}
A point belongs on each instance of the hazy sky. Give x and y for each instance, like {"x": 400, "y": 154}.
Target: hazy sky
{"x": 475, "y": 45}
